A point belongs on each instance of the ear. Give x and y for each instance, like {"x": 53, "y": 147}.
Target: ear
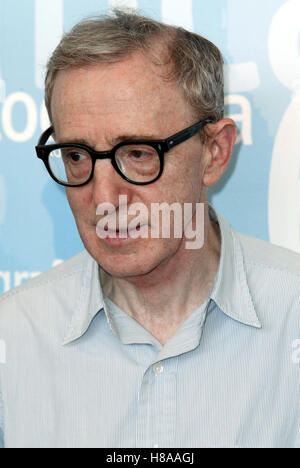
{"x": 220, "y": 139}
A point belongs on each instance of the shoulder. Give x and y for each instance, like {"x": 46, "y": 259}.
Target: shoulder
{"x": 45, "y": 298}
{"x": 273, "y": 277}
{"x": 266, "y": 256}
{"x": 65, "y": 270}
{"x": 44, "y": 304}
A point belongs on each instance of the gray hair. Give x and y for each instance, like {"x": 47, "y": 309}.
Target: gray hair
{"x": 196, "y": 63}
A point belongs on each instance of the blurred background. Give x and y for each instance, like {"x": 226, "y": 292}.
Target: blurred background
{"x": 260, "y": 192}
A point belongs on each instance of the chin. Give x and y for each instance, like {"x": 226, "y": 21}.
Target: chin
{"x": 126, "y": 265}
{"x": 133, "y": 260}
{"x": 126, "y": 272}
{"x": 126, "y": 268}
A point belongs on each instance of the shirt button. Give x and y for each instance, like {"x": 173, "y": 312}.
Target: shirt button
{"x": 158, "y": 368}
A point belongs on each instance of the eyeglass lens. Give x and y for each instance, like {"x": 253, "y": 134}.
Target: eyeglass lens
{"x": 74, "y": 166}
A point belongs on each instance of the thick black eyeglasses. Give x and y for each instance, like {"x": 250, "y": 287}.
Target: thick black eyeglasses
{"x": 140, "y": 162}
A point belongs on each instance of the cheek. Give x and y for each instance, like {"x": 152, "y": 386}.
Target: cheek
{"x": 186, "y": 164}
{"x": 193, "y": 178}
{"x": 183, "y": 183}
{"x": 80, "y": 201}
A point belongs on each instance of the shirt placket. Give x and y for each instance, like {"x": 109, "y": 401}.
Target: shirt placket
{"x": 156, "y": 422}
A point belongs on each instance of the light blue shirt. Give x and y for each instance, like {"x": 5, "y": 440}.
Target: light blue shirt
{"x": 80, "y": 372}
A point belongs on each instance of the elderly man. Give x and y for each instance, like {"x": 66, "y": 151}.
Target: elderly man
{"x": 144, "y": 340}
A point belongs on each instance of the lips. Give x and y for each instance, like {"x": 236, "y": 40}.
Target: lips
{"x": 122, "y": 231}
{"x": 118, "y": 235}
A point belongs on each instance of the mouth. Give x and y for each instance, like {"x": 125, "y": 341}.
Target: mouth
{"x": 124, "y": 231}
{"x": 119, "y": 236}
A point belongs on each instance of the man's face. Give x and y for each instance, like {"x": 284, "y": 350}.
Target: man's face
{"x": 102, "y": 105}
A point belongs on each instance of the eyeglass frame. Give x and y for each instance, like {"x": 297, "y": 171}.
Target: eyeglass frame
{"x": 161, "y": 146}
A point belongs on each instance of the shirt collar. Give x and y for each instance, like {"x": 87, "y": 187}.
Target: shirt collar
{"x": 90, "y": 301}
{"x": 230, "y": 290}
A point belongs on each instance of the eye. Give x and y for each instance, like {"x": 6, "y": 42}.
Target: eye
{"x": 72, "y": 156}
{"x": 140, "y": 153}
{"x": 76, "y": 157}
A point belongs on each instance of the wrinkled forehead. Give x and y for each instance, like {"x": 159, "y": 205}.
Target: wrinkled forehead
{"x": 134, "y": 90}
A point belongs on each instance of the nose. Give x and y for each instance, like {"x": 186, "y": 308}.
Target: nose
{"x": 108, "y": 185}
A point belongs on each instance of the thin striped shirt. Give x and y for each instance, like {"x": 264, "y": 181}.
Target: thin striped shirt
{"x": 79, "y": 372}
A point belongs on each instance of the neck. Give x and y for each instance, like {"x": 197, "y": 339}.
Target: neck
{"x": 163, "y": 299}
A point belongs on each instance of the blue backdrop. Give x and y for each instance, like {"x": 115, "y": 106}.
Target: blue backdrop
{"x": 259, "y": 194}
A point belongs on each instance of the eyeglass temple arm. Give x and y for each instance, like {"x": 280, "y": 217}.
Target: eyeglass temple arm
{"x": 186, "y": 134}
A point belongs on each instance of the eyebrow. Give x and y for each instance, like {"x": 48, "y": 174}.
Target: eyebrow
{"x": 78, "y": 141}
{"x": 116, "y": 141}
